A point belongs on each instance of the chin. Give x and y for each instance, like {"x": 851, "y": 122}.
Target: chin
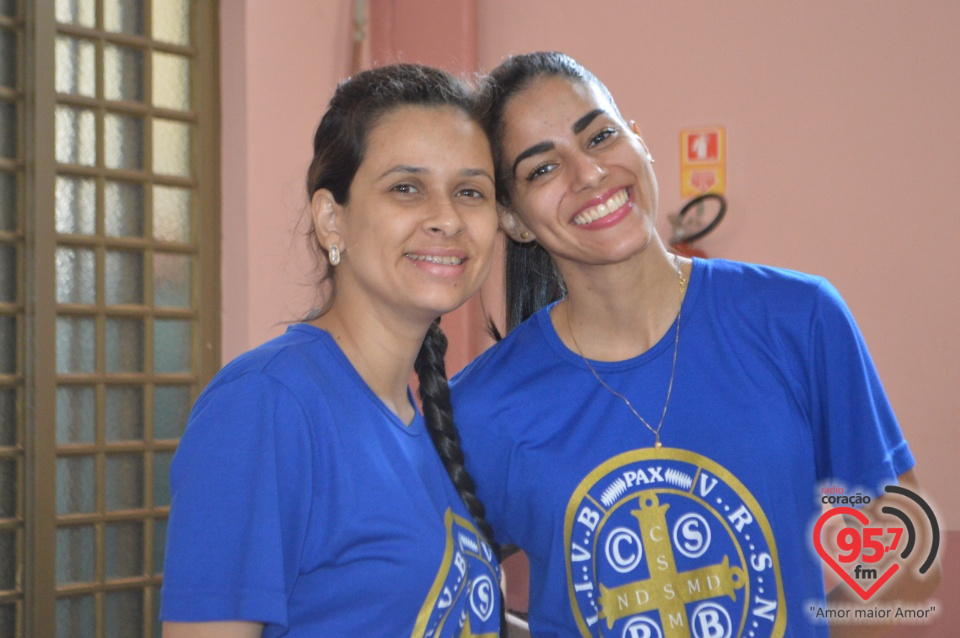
{"x": 441, "y": 297}
{"x": 639, "y": 242}
{"x": 433, "y": 307}
{"x": 624, "y": 251}
{"x": 442, "y": 309}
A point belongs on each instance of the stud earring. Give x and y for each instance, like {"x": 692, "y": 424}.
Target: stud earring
{"x": 524, "y": 235}
{"x": 333, "y": 254}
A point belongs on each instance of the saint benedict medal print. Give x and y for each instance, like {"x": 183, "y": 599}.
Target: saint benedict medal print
{"x": 465, "y": 597}
{"x": 663, "y": 543}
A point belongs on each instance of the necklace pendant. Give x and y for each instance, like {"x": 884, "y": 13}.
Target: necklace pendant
{"x": 657, "y": 445}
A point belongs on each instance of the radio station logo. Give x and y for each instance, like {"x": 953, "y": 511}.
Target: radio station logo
{"x": 855, "y": 553}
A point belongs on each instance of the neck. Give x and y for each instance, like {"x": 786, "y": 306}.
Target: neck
{"x": 618, "y": 311}
{"x": 380, "y": 346}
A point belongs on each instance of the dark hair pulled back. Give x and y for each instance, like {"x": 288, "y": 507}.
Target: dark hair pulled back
{"x": 531, "y": 279}
{"x": 339, "y": 144}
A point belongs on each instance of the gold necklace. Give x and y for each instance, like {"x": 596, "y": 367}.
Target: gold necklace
{"x": 673, "y": 369}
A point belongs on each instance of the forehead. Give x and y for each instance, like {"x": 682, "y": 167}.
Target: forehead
{"x": 548, "y": 108}
{"x": 415, "y": 129}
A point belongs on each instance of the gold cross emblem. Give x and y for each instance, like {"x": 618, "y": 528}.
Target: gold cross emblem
{"x": 667, "y": 590}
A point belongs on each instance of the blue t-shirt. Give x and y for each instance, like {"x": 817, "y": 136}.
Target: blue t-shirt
{"x": 774, "y": 397}
{"x": 302, "y": 502}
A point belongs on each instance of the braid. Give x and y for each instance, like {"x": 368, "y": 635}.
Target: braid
{"x": 438, "y": 415}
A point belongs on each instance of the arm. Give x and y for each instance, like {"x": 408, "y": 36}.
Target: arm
{"x": 212, "y": 630}
{"x": 908, "y": 586}
{"x": 232, "y": 544}
{"x": 517, "y": 627}
{"x": 857, "y": 436}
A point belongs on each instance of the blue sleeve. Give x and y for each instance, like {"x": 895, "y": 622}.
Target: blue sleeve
{"x": 858, "y": 439}
{"x": 241, "y": 482}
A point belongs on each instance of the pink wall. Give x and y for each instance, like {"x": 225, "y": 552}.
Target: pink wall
{"x": 843, "y": 141}
{"x": 280, "y": 63}
{"x": 842, "y": 137}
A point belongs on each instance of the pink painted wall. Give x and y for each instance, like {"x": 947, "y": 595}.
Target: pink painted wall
{"x": 843, "y": 147}
{"x": 280, "y": 62}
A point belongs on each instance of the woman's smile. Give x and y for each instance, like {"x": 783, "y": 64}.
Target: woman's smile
{"x": 591, "y": 213}
{"x": 577, "y": 168}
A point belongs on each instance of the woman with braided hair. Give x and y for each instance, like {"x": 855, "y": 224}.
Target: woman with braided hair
{"x": 310, "y": 497}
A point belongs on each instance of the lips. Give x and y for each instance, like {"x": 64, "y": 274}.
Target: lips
{"x": 441, "y": 263}
{"x": 610, "y": 202}
{"x": 438, "y": 259}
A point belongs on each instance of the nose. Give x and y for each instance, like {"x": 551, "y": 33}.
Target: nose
{"x": 588, "y": 171}
{"x": 444, "y": 219}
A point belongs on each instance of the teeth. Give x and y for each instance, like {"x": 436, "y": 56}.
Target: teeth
{"x": 617, "y": 200}
{"x": 436, "y": 259}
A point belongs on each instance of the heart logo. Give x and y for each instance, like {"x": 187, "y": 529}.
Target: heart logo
{"x": 828, "y": 559}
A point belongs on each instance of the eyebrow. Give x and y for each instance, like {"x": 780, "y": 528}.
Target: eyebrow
{"x": 536, "y": 149}
{"x": 476, "y": 172}
{"x": 419, "y": 170}
{"x": 402, "y": 168}
{"x": 542, "y": 147}
{"x": 584, "y": 121}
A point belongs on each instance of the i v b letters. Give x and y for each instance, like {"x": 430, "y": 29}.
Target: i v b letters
{"x": 870, "y": 548}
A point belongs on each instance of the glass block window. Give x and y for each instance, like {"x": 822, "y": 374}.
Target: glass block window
{"x": 105, "y": 340}
{"x": 12, "y": 321}
{"x": 125, "y": 281}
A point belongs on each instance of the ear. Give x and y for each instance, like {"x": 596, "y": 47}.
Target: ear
{"x": 636, "y": 131}
{"x": 513, "y": 226}
{"x": 325, "y": 212}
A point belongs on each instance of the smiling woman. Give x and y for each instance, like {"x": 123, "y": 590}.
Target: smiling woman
{"x": 310, "y": 497}
{"x": 416, "y": 229}
{"x": 653, "y": 431}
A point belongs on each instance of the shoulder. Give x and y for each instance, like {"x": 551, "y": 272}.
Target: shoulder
{"x": 754, "y": 292}
{"x": 279, "y": 357}
{"x": 782, "y": 312}
{"x": 494, "y": 378}
{"x": 493, "y": 368}
{"x": 282, "y": 381}
{"x": 297, "y": 362}
{"x": 758, "y": 278}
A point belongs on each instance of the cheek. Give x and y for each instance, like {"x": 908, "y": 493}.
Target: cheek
{"x": 375, "y": 243}
{"x": 483, "y": 228}
{"x": 649, "y": 180}
{"x": 539, "y": 209}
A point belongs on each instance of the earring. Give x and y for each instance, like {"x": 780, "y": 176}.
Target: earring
{"x": 333, "y": 254}
{"x": 524, "y": 235}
